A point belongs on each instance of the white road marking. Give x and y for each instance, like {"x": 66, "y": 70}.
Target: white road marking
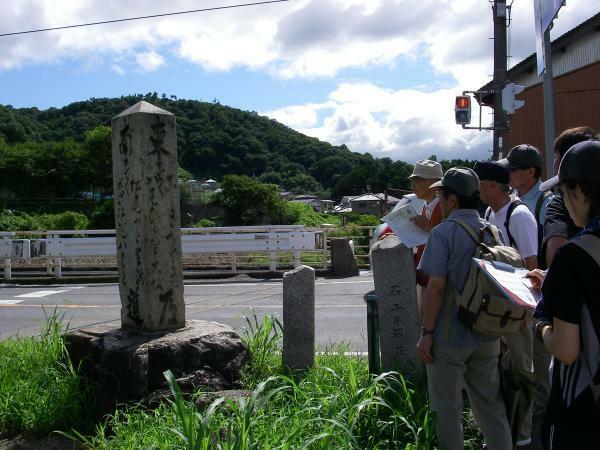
{"x": 10, "y": 302}
{"x": 38, "y": 294}
{"x": 275, "y": 283}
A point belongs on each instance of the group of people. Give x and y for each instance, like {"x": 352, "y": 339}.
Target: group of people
{"x": 553, "y": 225}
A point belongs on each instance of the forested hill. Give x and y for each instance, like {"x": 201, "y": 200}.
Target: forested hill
{"x": 213, "y": 140}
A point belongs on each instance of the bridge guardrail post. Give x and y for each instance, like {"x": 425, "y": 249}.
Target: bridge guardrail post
{"x": 233, "y": 262}
{"x": 296, "y": 255}
{"x": 272, "y": 261}
{"x": 7, "y": 269}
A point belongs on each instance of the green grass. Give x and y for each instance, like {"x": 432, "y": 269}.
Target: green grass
{"x": 336, "y": 405}
{"x": 39, "y": 388}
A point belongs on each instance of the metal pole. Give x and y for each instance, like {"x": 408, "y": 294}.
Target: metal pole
{"x": 371, "y": 300}
{"x": 500, "y": 69}
{"x": 549, "y": 118}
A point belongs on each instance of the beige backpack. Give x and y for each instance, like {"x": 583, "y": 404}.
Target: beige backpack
{"x": 481, "y": 305}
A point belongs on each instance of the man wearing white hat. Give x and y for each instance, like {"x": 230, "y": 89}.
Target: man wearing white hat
{"x": 425, "y": 173}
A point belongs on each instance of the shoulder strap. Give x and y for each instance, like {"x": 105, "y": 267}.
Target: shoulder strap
{"x": 589, "y": 244}
{"x": 513, "y": 205}
{"x": 539, "y": 204}
{"x": 491, "y": 229}
{"x": 488, "y": 213}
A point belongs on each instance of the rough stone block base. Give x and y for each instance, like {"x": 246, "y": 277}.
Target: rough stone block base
{"x": 128, "y": 365}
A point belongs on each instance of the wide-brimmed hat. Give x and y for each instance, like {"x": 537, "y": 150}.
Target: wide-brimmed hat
{"x": 580, "y": 163}
{"x": 425, "y": 168}
{"x": 460, "y": 180}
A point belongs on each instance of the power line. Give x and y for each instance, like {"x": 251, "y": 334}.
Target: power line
{"x": 216, "y": 8}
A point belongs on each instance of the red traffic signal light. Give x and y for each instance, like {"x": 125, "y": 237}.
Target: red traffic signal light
{"x": 463, "y": 101}
{"x": 462, "y": 109}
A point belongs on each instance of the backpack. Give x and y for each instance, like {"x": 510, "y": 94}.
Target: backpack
{"x": 513, "y": 205}
{"x": 590, "y": 350}
{"x": 481, "y": 305}
{"x": 538, "y": 209}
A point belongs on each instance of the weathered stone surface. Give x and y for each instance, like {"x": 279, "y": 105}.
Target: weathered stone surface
{"x": 128, "y": 365}
{"x": 299, "y": 319}
{"x": 144, "y": 150}
{"x": 395, "y": 285}
{"x": 53, "y": 442}
{"x": 343, "y": 261}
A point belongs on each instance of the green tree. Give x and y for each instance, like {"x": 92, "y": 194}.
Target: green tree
{"x": 248, "y": 202}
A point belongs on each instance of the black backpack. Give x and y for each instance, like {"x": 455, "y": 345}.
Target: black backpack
{"x": 513, "y": 204}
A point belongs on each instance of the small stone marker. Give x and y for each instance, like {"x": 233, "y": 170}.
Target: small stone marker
{"x": 299, "y": 319}
{"x": 343, "y": 261}
{"x": 399, "y": 328}
{"x": 144, "y": 150}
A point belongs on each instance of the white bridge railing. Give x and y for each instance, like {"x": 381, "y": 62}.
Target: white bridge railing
{"x": 54, "y": 245}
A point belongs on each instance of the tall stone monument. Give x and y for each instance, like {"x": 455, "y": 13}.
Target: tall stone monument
{"x": 395, "y": 285}
{"x": 126, "y": 363}
{"x": 144, "y": 150}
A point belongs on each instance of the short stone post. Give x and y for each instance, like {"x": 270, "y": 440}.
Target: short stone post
{"x": 343, "y": 261}
{"x": 299, "y": 319}
{"x": 399, "y": 328}
{"x": 144, "y": 147}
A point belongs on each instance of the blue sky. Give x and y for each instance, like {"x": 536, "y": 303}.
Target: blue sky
{"x": 376, "y": 75}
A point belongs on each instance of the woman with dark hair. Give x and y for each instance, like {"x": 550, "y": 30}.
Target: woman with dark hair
{"x": 569, "y": 313}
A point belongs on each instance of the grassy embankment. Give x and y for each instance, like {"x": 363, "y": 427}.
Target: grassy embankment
{"x": 337, "y": 404}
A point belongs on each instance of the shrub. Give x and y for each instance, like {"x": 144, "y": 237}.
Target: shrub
{"x": 67, "y": 220}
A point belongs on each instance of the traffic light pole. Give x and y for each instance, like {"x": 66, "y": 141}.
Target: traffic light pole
{"x": 549, "y": 118}
{"x": 499, "y": 81}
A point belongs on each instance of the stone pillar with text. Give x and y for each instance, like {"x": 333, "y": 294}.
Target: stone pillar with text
{"x": 148, "y": 229}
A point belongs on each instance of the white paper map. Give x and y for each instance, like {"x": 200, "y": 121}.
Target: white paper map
{"x": 408, "y": 233}
{"x": 512, "y": 281}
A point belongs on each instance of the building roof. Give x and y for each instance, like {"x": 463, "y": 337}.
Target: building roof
{"x": 365, "y": 198}
{"x": 563, "y": 61}
{"x": 390, "y": 199}
{"x": 210, "y": 180}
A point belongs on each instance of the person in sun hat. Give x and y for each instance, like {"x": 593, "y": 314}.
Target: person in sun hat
{"x": 425, "y": 173}
{"x": 569, "y": 313}
{"x": 455, "y": 356}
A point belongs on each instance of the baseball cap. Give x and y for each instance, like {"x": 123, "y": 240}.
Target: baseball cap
{"x": 522, "y": 157}
{"x": 492, "y": 171}
{"x": 581, "y": 162}
{"x": 461, "y": 180}
{"x": 428, "y": 169}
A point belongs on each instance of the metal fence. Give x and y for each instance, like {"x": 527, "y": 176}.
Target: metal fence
{"x": 214, "y": 249}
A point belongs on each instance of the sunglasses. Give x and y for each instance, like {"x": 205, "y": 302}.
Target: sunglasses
{"x": 514, "y": 169}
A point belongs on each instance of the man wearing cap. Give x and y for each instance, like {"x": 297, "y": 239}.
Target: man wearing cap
{"x": 456, "y": 356}
{"x": 519, "y": 228}
{"x": 425, "y": 173}
{"x": 525, "y": 164}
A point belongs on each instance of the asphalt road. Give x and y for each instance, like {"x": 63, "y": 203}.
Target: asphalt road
{"x": 339, "y": 307}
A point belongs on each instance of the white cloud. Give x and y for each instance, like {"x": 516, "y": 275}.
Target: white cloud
{"x": 149, "y": 61}
{"x": 404, "y": 124}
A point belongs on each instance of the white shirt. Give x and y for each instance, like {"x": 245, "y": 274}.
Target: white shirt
{"x": 523, "y": 228}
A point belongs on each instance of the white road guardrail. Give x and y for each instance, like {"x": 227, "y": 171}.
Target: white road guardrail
{"x": 59, "y": 244}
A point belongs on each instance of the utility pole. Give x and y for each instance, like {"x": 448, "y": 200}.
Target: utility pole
{"x": 549, "y": 117}
{"x": 499, "y": 81}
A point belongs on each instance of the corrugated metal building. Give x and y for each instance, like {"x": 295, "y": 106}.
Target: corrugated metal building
{"x": 576, "y": 66}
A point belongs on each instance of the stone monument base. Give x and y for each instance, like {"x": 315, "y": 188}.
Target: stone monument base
{"x": 127, "y": 365}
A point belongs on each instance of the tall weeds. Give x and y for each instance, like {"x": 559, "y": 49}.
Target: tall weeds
{"x": 40, "y": 390}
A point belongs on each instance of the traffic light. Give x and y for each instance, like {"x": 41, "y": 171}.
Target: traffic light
{"x": 462, "y": 109}
{"x": 509, "y": 103}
